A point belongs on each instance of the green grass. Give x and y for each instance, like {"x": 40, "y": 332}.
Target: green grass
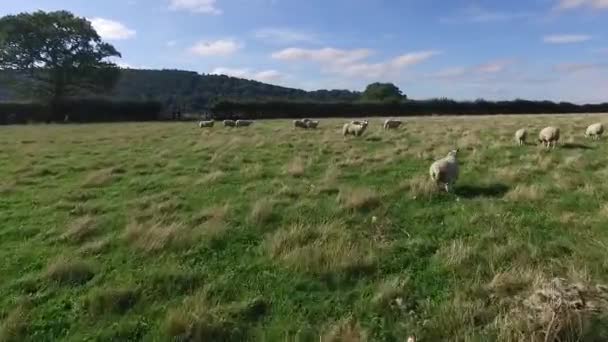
{"x": 164, "y": 231}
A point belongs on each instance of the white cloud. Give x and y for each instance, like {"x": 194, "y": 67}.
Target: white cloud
{"x": 578, "y": 67}
{"x": 325, "y": 55}
{"x": 476, "y": 14}
{"x": 221, "y": 47}
{"x": 195, "y": 6}
{"x": 351, "y": 62}
{"x": 267, "y": 76}
{"x": 566, "y": 38}
{"x": 475, "y": 72}
{"x": 572, "y": 4}
{"x": 112, "y": 30}
{"x": 493, "y": 67}
{"x": 284, "y": 36}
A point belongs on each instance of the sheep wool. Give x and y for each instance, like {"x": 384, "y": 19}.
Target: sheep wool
{"x": 595, "y": 131}
{"x": 520, "y": 136}
{"x": 549, "y": 136}
{"x": 445, "y": 171}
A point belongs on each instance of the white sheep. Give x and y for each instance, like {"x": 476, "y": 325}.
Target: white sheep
{"x": 243, "y": 123}
{"x": 392, "y": 124}
{"x": 203, "y": 124}
{"x": 356, "y": 129}
{"x": 520, "y": 136}
{"x": 312, "y": 124}
{"x": 445, "y": 171}
{"x": 300, "y": 123}
{"x": 595, "y": 131}
{"x": 229, "y": 123}
{"x": 549, "y": 136}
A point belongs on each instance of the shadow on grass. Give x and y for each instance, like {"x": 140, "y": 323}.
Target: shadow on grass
{"x": 473, "y": 191}
{"x": 575, "y": 146}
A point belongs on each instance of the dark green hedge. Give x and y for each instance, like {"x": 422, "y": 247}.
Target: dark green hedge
{"x": 79, "y": 110}
{"x": 286, "y": 109}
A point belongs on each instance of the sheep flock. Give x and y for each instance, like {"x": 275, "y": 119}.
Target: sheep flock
{"x": 443, "y": 172}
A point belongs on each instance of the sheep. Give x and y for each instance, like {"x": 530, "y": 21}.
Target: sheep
{"x": 300, "y": 124}
{"x": 356, "y": 129}
{"x": 549, "y": 136}
{"x": 243, "y": 123}
{"x": 203, "y": 124}
{"x": 520, "y": 136}
{"x": 445, "y": 171}
{"x": 392, "y": 124}
{"x": 229, "y": 123}
{"x": 595, "y": 131}
{"x": 312, "y": 124}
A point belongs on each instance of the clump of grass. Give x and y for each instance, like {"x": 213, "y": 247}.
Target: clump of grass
{"x": 455, "y": 253}
{"x": 95, "y": 247}
{"x": 168, "y": 282}
{"x": 321, "y": 249}
{"x": 80, "y": 229}
{"x": 296, "y": 167}
{"x": 358, "y": 199}
{"x": 421, "y": 187}
{"x": 212, "y": 177}
{"x": 110, "y": 301}
{"x": 391, "y": 293}
{"x": 347, "y": 330}
{"x": 70, "y": 271}
{"x": 155, "y": 236}
{"x": 262, "y": 211}
{"x": 526, "y": 193}
{"x": 8, "y": 188}
{"x": 100, "y": 178}
{"x": 14, "y": 327}
{"x": 201, "y": 320}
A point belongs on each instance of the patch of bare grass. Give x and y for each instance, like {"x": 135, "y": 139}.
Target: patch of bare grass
{"x": 100, "y": 178}
{"x": 455, "y": 254}
{"x": 95, "y": 247}
{"x": 319, "y": 249}
{"x": 359, "y": 199}
{"x": 70, "y": 271}
{"x": 212, "y": 177}
{"x": 420, "y": 187}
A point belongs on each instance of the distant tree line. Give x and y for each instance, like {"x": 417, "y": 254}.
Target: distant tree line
{"x": 288, "y": 109}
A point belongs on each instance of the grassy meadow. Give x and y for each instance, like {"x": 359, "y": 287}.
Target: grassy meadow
{"x": 164, "y": 231}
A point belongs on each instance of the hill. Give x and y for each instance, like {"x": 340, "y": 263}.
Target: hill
{"x": 192, "y": 91}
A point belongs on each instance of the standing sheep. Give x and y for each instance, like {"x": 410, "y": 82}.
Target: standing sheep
{"x": 243, "y": 123}
{"x": 355, "y": 129}
{"x": 204, "y": 124}
{"x": 229, "y": 123}
{"x": 520, "y": 136}
{"x": 392, "y": 124}
{"x": 595, "y": 131}
{"x": 299, "y": 124}
{"x": 445, "y": 171}
{"x": 549, "y": 136}
{"x": 312, "y": 124}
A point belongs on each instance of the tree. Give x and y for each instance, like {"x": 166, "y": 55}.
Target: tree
{"x": 383, "y": 92}
{"x": 56, "y": 53}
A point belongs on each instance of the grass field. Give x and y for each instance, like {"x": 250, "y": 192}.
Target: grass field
{"x": 162, "y": 231}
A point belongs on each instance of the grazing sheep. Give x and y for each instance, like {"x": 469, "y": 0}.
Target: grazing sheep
{"x": 229, "y": 123}
{"x": 445, "y": 171}
{"x": 300, "y": 123}
{"x": 243, "y": 123}
{"x": 312, "y": 124}
{"x": 204, "y": 124}
{"x": 392, "y": 124}
{"x": 520, "y": 136}
{"x": 356, "y": 129}
{"x": 549, "y": 136}
{"x": 595, "y": 131}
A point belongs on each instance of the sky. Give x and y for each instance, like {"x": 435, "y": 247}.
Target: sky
{"x": 462, "y": 49}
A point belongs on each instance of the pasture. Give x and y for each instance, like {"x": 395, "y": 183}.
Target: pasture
{"x": 164, "y": 231}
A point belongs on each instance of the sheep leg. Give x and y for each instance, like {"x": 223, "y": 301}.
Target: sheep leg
{"x": 447, "y": 187}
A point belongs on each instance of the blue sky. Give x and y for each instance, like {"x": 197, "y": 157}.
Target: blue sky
{"x": 462, "y": 49}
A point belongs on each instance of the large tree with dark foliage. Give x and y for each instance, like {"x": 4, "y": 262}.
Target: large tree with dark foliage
{"x": 56, "y": 53}
{"x": 382, "y": 92}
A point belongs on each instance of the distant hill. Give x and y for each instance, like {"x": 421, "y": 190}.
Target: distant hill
{"x": 191, "y": 91}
